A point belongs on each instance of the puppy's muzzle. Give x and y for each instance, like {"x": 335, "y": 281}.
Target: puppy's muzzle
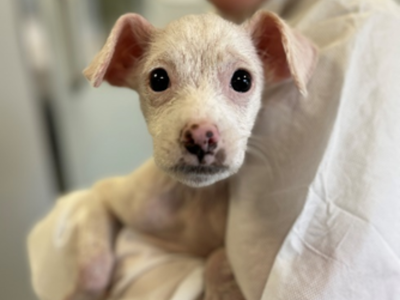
{"x": 200, "y": 140}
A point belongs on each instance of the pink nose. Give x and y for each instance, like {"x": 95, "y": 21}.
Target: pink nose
{"x": 200, "y": 139}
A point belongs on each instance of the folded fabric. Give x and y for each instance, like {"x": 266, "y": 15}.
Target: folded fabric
{"x": 147, "y": 272}
{"x": 315, "y": 212}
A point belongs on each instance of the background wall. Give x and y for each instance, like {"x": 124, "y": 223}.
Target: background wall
{"x": 26, "y": 186}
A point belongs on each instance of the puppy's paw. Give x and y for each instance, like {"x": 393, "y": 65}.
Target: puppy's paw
{"x": 70, "y": 251}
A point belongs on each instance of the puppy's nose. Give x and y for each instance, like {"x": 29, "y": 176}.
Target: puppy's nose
{"x": 200, "y": 139}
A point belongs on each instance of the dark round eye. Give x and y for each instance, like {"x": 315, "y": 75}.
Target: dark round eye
{"x": 241, "y": 81}
{"x": 159, "y": 80}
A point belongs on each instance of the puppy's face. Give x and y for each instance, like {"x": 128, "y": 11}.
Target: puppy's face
{"x": 200, "y": 85}
{"x": 200, "y": 82}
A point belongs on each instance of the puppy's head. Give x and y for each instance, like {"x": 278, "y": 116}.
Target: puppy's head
{"x": 200, "y": 82}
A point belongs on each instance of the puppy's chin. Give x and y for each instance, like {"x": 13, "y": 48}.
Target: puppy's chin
{"x": 199, "y": 179}
{"x": 197, "y": 176}
{"x": 194, "y": 175}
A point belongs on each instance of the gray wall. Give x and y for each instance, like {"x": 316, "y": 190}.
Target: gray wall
{"x": 25, "y": 182}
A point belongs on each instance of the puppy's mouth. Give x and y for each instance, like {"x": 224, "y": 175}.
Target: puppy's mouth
{"x": 198, "y": 170}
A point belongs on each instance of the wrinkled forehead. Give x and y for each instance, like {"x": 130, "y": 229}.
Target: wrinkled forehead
{"x": 201, "y": 44}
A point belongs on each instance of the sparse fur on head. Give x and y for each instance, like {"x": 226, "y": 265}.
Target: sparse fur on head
{"x": 200, "y": 53}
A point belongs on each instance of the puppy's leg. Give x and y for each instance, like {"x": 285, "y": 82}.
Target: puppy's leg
{"x": 70, "y": 250}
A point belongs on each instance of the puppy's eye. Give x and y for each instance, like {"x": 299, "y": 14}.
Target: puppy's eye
{"x": 159, "y": 80}
{"x": 241, "y": 81}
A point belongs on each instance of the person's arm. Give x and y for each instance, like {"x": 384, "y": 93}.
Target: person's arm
{"x": 237, "y": 10}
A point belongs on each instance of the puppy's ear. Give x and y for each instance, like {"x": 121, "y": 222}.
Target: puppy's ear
{"x": 284, "y": 52}
{"x": 126, "y": 44}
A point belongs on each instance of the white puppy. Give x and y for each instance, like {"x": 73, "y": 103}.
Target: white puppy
{"x": 200, "y": 82}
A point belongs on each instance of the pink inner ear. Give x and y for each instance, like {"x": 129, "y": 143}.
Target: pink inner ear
{"x": 284, "y": 52}
{"x": 269, "y": 39}
{"x": 126, "y": 52}
{"x": 124, "y": 47}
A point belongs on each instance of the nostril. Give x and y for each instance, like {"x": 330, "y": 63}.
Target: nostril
{"x": 188, "y": 138}
{"x": 200, "y": 140}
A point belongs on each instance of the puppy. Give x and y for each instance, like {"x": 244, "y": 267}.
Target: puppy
{"x": 200, "y": 82}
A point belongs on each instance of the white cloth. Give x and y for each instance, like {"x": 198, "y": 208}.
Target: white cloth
{"x": 315, "y": 212}
{"x": 146, "y": 272}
